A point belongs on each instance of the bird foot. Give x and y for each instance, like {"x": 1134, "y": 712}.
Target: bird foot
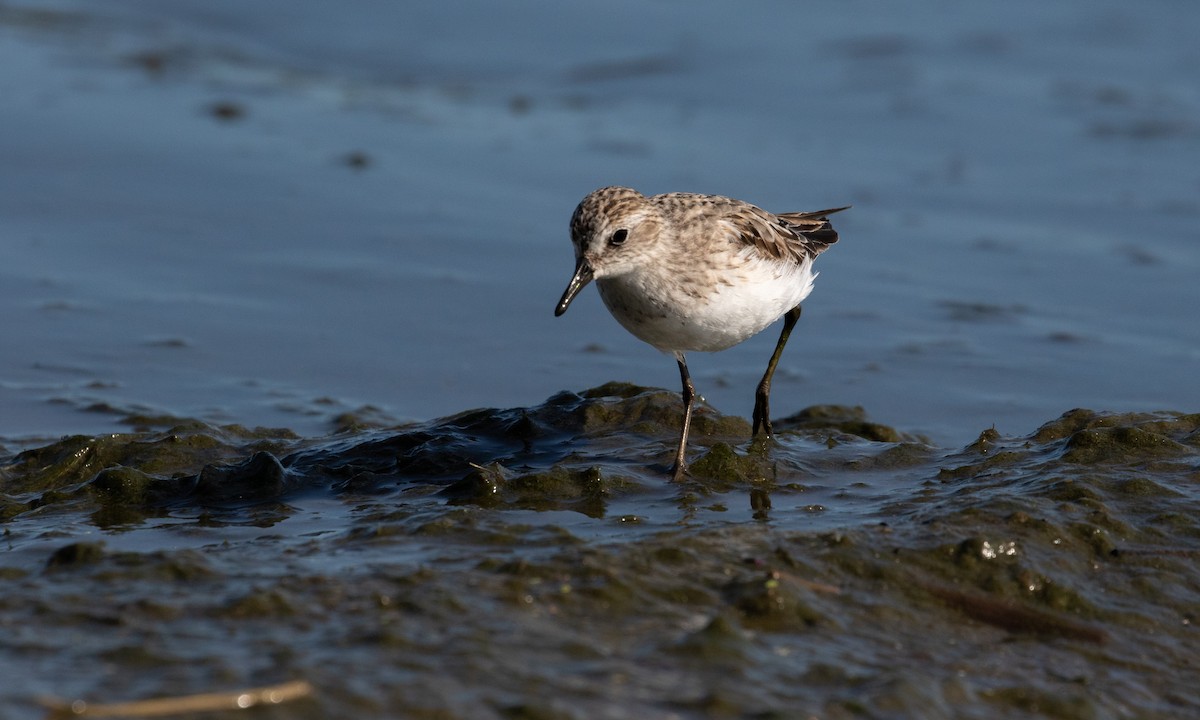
{"x": 762, "y": 418}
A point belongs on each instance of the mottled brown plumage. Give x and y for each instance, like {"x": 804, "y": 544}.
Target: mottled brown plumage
{"x": 684, "y": 272}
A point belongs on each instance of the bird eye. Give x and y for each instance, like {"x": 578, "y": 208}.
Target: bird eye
{"x": 618, "y": 237}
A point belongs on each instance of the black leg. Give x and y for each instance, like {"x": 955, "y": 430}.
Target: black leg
{"x": 762, "y": 398}
{"x": 689, "y": 396}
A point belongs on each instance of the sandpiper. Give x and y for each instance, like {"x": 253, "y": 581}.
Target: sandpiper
{"x": 686, "y": 272}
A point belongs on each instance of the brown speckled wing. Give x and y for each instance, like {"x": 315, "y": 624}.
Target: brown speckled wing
{"x": 791, "y": 236}
{"x": 814, "y": 227}
{"x": 794, "y": 236}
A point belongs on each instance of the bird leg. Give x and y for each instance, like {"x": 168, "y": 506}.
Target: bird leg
{"x": 689, "y": 397}
{"x": 762, "y": 397}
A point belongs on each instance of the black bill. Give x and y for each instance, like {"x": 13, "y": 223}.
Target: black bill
{"x": 582, "y": 276}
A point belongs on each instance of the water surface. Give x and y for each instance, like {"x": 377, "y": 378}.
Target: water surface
{"x": 214, "y": 214}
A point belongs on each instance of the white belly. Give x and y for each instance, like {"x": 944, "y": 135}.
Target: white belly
{"x": 705, "y": 311}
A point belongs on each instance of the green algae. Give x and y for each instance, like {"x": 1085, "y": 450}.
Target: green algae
{"x": 1121, "y": 444}
{"x": 722, "y": 467}
{"x": 120, "y": 485}
{"x": 76, "y": 459}
{"x": 898, "y": 456}
{"x": 524, "y": 558}
{"x": 842, "y": 419}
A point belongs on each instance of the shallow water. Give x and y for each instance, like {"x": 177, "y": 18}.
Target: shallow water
{"x": 535, "y": 562}
{"x": 338, "y": 224}
{"x": 213, "y": 214}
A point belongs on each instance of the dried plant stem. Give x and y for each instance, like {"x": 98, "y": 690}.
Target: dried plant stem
{"x": 160, "y": 707}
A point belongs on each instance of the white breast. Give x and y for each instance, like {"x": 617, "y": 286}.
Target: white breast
{"x": 707, "y": 311}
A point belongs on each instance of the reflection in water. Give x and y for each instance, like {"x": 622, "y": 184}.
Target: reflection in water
{"x": 760, "y": 503}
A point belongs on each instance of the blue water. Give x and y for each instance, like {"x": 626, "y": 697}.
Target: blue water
{"x": 1023, "y": 238}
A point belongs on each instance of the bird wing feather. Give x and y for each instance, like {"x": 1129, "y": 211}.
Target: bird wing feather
{"x": 797, "y": 236}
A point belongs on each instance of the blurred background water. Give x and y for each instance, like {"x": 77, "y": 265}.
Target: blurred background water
{"x": 268, "y": 213}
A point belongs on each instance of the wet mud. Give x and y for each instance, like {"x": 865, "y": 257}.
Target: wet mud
{"x": 537, "y": 563}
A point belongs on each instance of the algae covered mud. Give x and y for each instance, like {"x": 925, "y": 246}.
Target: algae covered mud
{"x": 535, "y": 563}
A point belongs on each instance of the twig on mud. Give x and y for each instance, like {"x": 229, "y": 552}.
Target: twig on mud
{"x": 161, "y": 707}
